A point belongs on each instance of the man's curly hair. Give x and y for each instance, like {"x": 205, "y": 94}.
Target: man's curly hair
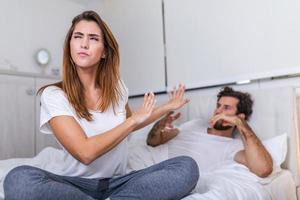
{"x": 245, "y": 101}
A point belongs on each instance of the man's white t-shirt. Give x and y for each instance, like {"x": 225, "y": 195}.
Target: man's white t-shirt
{"x": 206, "y": 149}
{"x": 54, "y": 103}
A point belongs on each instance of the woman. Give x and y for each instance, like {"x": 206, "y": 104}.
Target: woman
{"x": 89, "y": 116}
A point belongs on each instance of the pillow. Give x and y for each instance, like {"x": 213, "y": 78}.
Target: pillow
{"x": 141, "y": 134}
{"x": 277, "y": 147}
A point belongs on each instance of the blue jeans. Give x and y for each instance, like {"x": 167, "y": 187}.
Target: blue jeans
{"x": 170, "y": 179}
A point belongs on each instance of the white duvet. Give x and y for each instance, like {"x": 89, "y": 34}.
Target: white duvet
{"x": 226, "y": 182}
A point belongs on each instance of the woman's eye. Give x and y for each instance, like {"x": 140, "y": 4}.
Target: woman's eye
{"x": 96, "y": 39}
{"x": 77, "y": 36}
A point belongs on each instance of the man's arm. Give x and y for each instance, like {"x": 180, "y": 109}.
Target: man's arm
{"x": 254, "y": 156}
{"x": 163, "y": 130}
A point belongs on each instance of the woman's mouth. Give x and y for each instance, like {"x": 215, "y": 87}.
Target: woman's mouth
{"x": 83, "y": 54}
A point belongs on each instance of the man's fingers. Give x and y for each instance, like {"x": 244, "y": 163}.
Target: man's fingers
{"x": 169, "y": 113}
{"x": 214, "y": 119}
{"x": 226, "y": 120}
{"x": 176, "y": 116}
{"x": 168, "y": 130}
{"x": 172, "y": 118}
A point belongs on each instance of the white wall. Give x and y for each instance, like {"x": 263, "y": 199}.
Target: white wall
{"x": 29, "y": 25}
{"x": 137, "y": 26}
{"x": 207, "y": 42}
{"x": 214, "y": 42}
{"x": 294, "y": 82}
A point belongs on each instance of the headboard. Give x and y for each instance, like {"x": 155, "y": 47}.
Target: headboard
{"x": 274, "y": 113}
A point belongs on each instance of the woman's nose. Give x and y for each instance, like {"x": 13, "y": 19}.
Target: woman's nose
{"x": 85, "y": 43}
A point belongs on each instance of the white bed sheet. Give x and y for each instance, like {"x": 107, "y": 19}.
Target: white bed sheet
{"x": 280, "y": 188}
{"x": 283, "y": 187}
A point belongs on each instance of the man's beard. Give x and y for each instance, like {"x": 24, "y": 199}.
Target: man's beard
{"x": 218, "y": 126}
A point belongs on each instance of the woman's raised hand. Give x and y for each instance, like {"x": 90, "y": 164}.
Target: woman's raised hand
{"x": 145, "y": 110}
{"x": 177, "y": 98}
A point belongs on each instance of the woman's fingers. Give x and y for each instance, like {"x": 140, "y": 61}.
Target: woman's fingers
{"x": 181, "y": 90}
{"x": 145, "y": 99}
{"x": 149, "y": 101}
{"x": 177, "y": 92}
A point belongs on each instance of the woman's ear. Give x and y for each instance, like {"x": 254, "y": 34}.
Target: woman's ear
{"x": 104, "y": 54}
{"x": 242, "y": 115}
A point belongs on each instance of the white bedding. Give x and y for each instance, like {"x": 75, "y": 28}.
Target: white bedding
{"x": 46, "y": 159}
{"x": 283, "y": 187}
{"x": 229, "y": 181}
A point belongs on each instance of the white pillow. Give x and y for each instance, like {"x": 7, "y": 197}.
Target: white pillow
{"x": 277, "y": 147}
{"x": 141, "y": 134}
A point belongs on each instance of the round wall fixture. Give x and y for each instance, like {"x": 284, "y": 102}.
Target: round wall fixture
{"x": 43, "y": 57}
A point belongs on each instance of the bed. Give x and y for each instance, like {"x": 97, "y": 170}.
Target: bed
{"x": 274, "y": 120}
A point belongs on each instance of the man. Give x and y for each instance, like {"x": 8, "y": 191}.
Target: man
{"x": 216, "y": 143}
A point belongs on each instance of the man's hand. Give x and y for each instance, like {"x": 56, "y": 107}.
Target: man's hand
{"x": 176, "y": 98}
{"x": 167, "y": 121}
{"x": 227, "y": 120}
{"x": 163, "y": 130}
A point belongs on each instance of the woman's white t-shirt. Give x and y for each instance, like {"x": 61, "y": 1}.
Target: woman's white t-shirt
{"x": 54, "y": 103}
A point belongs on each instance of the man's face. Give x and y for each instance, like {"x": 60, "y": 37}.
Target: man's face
{"x": 227, "y": 106}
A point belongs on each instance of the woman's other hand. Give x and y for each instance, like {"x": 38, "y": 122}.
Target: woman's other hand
{"x": 177, "y": 98}
{"x": 146, "y": 109}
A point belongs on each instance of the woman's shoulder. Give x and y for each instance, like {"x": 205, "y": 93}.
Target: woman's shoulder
{"x": 53, "y": 92}
{"x": 52, "y": 89}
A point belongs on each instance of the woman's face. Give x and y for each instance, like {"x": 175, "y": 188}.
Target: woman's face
{"x": 86, "y": 44}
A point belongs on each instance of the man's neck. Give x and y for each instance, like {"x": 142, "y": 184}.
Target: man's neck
{"x": 227, "y": 133}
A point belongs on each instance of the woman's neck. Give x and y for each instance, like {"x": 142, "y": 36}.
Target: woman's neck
{"x": 91, "y": 92}
{"x": 87, "y": 77}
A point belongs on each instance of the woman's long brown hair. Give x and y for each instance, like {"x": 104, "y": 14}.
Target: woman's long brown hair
{"x": 108, "y": 75}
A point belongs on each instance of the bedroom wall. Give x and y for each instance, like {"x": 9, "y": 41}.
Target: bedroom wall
{"x": 138, "y": 28}
{"x": 206, "y": 43}
{"x": 29, "y": 25}
{"x": 279, "y": 83}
